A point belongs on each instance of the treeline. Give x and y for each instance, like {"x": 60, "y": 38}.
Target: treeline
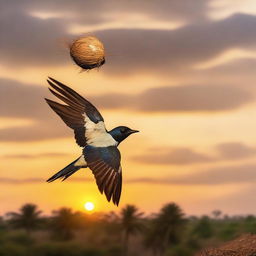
{"x": 130, "y": 232}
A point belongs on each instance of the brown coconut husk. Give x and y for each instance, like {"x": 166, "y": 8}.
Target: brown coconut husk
{"x": 88, "y": 52}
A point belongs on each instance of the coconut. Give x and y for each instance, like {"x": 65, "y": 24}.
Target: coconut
{"x": 88, "y": 52}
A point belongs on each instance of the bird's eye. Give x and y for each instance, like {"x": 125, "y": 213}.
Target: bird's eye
{"x": 122, "y": 130}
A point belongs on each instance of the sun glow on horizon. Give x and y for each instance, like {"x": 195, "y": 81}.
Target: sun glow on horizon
{"x": 89, "y": 206}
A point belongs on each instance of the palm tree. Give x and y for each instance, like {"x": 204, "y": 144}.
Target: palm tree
{"x": 165, "y": 228}
{"x": 152, "y": 239}
{"x": 64, "y": 221}
{"x": 131, "y": 224}
{"x": 28, "y": 217}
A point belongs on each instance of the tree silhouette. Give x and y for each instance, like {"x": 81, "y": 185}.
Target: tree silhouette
{"x": 216, "y": 213}
{"x": 165, "y": 229}
{"x": 152, "y": 239}
{"x": 130, "y": 223}
{"x": 28, "y": 217}
{"x": 111, "y": 224}
{"x": 64, "y": 221}
{"x": 2, "y": 224}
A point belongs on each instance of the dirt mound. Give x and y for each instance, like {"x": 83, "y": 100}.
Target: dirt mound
{"x": 242, "y": 246}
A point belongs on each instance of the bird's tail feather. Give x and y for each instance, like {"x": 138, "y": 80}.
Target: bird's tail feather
{"x": 65, "y": 172}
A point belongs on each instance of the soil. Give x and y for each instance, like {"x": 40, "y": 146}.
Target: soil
{"x": 242, "y": 246}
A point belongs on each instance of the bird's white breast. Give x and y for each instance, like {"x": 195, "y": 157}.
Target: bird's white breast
{"x": 81, "y": 162}
{"x": 96, "y": 134}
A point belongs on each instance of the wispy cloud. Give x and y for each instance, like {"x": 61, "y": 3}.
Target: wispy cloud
{"x": 31, "y": 105}
{"x": 187, "y": 156}
{"x": 187, "y": 98}
{"x": 231, "y": 174}
{"x": 25, "y": 19}
{"x": 173, "y": 156}
{"x": 234, "y": 150}
{"x": 17, "y": 181}
{"x": 164, "y": 51}
{"x": 213, "y": 176}
{"x": 33, "y": 156}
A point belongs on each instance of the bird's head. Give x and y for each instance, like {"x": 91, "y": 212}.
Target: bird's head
{"x": 121, "y": 132}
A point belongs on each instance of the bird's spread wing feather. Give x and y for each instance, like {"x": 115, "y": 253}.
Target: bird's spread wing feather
{"x": 100, "y": 152}
{"x": 77, "y": 113}
{"x": 105, "y": 165}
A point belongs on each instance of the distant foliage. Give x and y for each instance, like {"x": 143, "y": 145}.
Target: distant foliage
{"x": 126, "y": 233}
{"x": 229, "y": 231}
{"x": 10, "y": 249}
{"x": 63, "y": 223}
{"x": 204, "y": 229}
{"x": 65, "y": 249}
{"x": 250, "y": 224}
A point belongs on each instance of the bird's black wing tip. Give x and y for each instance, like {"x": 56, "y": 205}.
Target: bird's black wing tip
{"x": 50, "y": 81}
{"x": 51, "y": 179}
{"x": 49, "y": 102}
{"x": 115, "y": 201}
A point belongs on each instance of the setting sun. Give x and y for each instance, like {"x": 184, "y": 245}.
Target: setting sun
{"x": 89, "y": 206}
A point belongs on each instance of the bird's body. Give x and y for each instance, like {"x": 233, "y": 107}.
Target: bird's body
{"x": 97, "y": 135}
{"x": 100, "y": 152}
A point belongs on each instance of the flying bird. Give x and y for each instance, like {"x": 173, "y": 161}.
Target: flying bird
{"x": 100, "y": 152}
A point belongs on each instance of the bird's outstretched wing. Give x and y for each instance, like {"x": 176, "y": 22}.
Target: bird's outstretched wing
{"x": 78, "y": 113}
{"x": 100, "y": 152}
{"x": 105, "y": 165}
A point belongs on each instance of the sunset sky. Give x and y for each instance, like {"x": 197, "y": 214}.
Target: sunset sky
{"x": 182, "y": 72}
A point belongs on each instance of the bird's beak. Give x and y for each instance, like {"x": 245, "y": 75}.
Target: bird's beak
{"x": 133, "y": 131}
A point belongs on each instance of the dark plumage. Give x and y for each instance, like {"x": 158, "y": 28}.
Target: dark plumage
{"x": 100, "y": 152}
{"x": 121, "y": 132}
